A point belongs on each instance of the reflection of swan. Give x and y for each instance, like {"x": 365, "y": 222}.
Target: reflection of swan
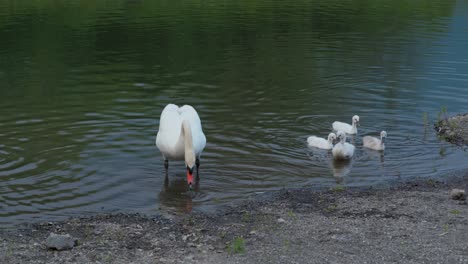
{"x": 174, "y": 195}
{"x": 343, "y": 150}
{"x": 322, "y": 143}
{"x": 341, "y": 168}
{"x": 375, "y": 143}
{"x": 347, "y": 128}
{"x": 180, "y": 137}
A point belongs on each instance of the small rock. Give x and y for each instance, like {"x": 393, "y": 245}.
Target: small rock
{"x": 253, "y": 233}
{"x": 281, "y": 220}
{"x": 60, "y": 242}
{"x": 458, "y": 194}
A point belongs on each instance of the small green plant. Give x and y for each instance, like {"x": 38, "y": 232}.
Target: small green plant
{"x": 425, "y": 119}
{"x": 446, "y": 227}
{"x": 291, "y": 214}
{"x": 338, "y": 188}
{"x": 442, "y": 113}
{"x": 88, "y": 231}
{"x": 442, "y": 151}
{"x": 237, "y": 245}
{"x": 246, "y": 217}
{"x": 430, "y": 182}
{"x": 108, "y": 258}
{"x": 223, "y": 234}
{"x": 331, "y": 208}
{"x": 455, "y": 211}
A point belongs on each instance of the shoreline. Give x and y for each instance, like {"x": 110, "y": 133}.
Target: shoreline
{"x": 414, "y": 222}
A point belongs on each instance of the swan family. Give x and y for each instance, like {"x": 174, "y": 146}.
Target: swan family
{"x": 344, "y": 150}
{"x": 180, "y": 137}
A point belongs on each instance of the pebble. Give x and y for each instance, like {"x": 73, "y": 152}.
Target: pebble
{"x": 458, "y": 194}
{"x": 60, "y": 242}
{"x": 281, "y": 220}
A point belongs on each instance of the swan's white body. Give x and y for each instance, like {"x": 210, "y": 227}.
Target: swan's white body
{"x": 322, "y": 143}
{"x": 347, "y": 128}
{"x": 375, "y": 143}
{"x": 175, "y": 126}
{"x": 343, "y": 150}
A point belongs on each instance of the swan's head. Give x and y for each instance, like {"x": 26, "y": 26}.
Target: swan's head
{"x": 190, "y": 164}
{"x": 356, "y": 120}
{"x": 383, "y": 135}
{"x": 190, "y": 176}
{"x": 341, "y": 136}
{"x": 331, "y": 137}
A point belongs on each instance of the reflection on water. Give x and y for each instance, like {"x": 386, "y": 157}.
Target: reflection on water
{"x": 176, "y": 195}
{"x": 341, "y": 169}
{"x": 82, "y": 86}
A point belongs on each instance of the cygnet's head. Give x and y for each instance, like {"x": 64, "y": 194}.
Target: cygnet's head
{"x": 331, "y": 137}
{"x": 383, "y": 135}
{"x": 341, "y": 136}
{"x": 356, "y": 119}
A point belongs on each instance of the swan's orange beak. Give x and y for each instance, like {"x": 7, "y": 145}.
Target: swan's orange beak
{"x": 189, "y": 176}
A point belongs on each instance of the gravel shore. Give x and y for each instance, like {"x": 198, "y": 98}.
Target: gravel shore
{"x": 414, "y": 222}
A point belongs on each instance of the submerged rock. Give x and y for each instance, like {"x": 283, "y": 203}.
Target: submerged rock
{"x": 454, "y": 129}
{"x": 60, "y": 242}
{"x": 458, "y": 194}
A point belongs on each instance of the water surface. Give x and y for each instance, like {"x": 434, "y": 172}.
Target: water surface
{"x": 82, "y": 86}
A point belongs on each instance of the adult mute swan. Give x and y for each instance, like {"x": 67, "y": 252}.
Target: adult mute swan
{"x": 180, "y": 137}
{"x": 375, "y": 143}
{"x": 347, "y": 128}
{"x": 342, "y": 150}
{"x": 322, "y": 143}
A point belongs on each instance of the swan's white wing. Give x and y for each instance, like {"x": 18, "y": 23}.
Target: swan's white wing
{"x": 340, "y": 126}
{"x": 169, "y": 132}
{"x": 372, "y": 142}
{"x": 349, "y": 150}
{"x": 318, "y": 142}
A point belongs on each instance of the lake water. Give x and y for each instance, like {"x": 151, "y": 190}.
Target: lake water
{"x": 82, "y": 86}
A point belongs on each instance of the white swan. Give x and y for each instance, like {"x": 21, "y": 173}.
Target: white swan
{"x": 375, "y": 143}
{"x": 342, "y": 150}
{"x": 322, "y": 143}
{"x": 347, "y": 128}
{"x": 180, "y": 137}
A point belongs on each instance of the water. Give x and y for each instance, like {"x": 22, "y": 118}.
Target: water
{"x": 82, "y": 86}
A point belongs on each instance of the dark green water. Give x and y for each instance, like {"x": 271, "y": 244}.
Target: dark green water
{"x": 82, "y": 85}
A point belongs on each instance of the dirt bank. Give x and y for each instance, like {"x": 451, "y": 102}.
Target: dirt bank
{"x": 412, "y": 223}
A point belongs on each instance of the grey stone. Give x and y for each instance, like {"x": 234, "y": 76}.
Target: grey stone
{"x": 60, "y": 242}
{"x": 458, "y": 194}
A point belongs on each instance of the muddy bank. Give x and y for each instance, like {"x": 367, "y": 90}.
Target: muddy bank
{"x": 454, "y": 129}
{"x": 412, "y": 223}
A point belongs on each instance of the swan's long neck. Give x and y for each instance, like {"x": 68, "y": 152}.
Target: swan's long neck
{"x": 354, "y": 127}
{"x": 188, "y": 144}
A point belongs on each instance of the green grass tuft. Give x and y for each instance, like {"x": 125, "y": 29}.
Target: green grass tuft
{"x": 338, "y": 188}
{"x": 237, "y": 245}
{"x": 455, "y": 211}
